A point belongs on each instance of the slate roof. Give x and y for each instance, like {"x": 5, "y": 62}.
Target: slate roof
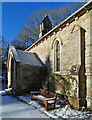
{"x": 25, "y": 57}
{"x": 45, "y": 18}
{"x": 28, "y": 58}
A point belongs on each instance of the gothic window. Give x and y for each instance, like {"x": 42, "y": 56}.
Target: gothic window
{"x": 57, "y": 56}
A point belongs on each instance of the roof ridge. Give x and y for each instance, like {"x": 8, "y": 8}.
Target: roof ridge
{"x": 15, "y": 53}
{"x": 24, "y": 51}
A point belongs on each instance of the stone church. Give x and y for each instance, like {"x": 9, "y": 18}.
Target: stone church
{"x": 65, "y": 49}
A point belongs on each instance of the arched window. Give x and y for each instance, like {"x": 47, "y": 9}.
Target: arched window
{"x": 56, "y": 46}
{"x": 58, "y": 56}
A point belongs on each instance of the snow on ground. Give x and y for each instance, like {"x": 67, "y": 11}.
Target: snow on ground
{"x": 2, "y": 93}
{"x": 6, "y": 92}
{"x": 25, "y": 98}
{"x": 61, "y": 112}
{"x": 13, "y": 108}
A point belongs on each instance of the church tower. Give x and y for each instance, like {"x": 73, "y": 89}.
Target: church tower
{"x": 45, "y": 26}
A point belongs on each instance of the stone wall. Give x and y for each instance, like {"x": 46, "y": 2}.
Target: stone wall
{"x": 70, "y": 45}
{"x": 11, "y": 71}
{"x": 28, "y": 78}
{"x": 89, "y": 62}
{"x": 71, "y": 54}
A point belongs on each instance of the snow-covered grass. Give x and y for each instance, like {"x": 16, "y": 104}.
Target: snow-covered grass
{"x": 2, "y": 93}
{"x": 25, "y": 98}
{"x": 59, "y": 112}
{"x": 6, "y": 92}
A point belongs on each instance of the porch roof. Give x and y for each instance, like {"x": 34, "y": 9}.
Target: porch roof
{"x": 24, "y": 57}
{"x": 28, "y": 58}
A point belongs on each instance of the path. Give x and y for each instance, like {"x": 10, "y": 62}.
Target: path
{"x": 13, "y": 108}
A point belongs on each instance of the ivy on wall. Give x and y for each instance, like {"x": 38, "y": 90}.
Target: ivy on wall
{"x": 65, "y": 83}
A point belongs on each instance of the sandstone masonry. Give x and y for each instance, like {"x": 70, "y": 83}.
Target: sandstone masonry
{"x": 75, "y": 39}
